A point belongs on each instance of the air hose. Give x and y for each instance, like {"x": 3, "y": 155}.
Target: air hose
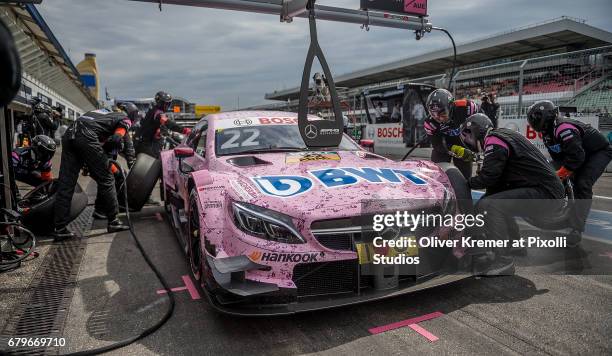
{"x": 158, "y": 274}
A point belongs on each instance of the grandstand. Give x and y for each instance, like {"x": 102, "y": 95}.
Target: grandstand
{"x": 564, "y": 60}
{"x": 596, "y": 99}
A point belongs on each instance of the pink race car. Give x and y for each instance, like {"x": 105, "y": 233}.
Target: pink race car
{"x": 272, "y": 227}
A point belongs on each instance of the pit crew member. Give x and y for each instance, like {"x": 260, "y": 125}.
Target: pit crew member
{"x": 580, "y": 152}
{"x": 82, "y": 145}
{"x": 127, "y": 151}
{"x": 32, "y": 165}
{"x": 148, "y": 136}
{"x": 513, "y": 170}
{"x": 446, "y": 116}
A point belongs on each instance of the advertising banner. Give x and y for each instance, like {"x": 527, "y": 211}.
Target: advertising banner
{"x": 411, "y": 7}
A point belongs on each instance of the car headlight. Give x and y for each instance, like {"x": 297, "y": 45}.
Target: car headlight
{"x": 265, "y": 223}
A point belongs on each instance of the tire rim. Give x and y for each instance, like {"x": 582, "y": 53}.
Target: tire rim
{"x": 195, "y": 251}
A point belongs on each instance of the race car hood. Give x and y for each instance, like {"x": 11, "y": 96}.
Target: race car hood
{"x": 295, "y": 182}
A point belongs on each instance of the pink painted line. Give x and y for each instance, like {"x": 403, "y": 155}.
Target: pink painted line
{"x": 403, "y": 323}
{"x": 429, "y": 336}
{"x": 177, "y": 289}
{"x": 193, "y": 291}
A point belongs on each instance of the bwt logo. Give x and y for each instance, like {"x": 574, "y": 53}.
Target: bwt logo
{"x": 289, "y": 186}
{"x": 283, "y": 186}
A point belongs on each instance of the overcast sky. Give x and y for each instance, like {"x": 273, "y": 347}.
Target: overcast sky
{"x": 215, "y": 57}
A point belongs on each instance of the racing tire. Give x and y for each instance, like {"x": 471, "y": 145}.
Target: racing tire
{"x": 162, "y": 190}
{"x": 194, "y": 249}
{"x": 202, "y": 270}
{"x": 38, "y": 207}
{"x": 463, "y": 193}
{"x": 141, "y": 180}
{"x": 561, "y": 220}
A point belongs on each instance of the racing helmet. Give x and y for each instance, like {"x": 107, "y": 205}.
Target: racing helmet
{"x": 38, "y": 106}
{"x": 130, "y": 109}
{"x": 43, "y": 147}
{"x": 474, "y": 130}
{"x": 438, "y": 105}
{"x": 163, "y": 100}
{"x": 542, "y": 114}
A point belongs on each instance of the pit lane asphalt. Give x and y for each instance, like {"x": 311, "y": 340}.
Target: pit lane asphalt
{"x": 529, "y": 313}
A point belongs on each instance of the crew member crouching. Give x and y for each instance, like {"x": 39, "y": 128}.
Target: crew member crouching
{"x": 513, "y": 171}
{"x": 32, "y": 164}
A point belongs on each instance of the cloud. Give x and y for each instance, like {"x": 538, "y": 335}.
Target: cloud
{"x": 215, "y": 56}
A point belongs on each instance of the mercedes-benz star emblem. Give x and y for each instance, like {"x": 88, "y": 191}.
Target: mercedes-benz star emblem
{"x": 310, "y": 131}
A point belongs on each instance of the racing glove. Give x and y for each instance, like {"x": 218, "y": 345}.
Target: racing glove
{"x": 46, "y": 176}
{"x": 114, "y": 142}
{"x": 564, "y": 173}
{"x": 113, "y": 168}
{"x": 463, "y": 153}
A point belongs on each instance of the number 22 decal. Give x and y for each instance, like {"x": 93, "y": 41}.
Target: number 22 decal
{"x": 233, "y": 141}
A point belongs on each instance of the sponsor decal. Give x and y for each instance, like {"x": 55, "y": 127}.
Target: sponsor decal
{"x": 278, "y": 120}
{"x": 324, "y": 132}
{"x": 289, "y": 186}
{"x": 211, "y": 205}
{"x": 297, "y": 157}
{"x": 254, "y": 121}
{"x": 337, "y": 177}
{"x": 283, "y": 186}
{"x": 259, "y": 256}
{"x": 311, "y": 131}
{"x": 243, "y": 122}
{"x": 240, "y": 190}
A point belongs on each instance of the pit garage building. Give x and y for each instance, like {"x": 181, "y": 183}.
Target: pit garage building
{"x": 47, "y": 71}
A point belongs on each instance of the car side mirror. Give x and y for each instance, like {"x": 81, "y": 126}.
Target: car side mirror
{"x": 181, "y": 153}
{"x": 366, "y": 143}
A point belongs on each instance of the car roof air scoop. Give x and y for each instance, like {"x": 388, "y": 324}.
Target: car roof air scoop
{"x": 325, "y": 132}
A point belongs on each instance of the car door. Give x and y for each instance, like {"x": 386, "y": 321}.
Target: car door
{"x": 197, "y": 141}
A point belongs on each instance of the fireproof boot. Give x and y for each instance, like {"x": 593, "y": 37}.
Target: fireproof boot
{"x": 490, "y": 265}
{"x": 116, "y": 225}
{"x": 61, "y": 234}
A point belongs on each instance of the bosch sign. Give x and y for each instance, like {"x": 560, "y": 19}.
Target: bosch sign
{"x": 412, "y": 7}
{"x": 390, "y": 132}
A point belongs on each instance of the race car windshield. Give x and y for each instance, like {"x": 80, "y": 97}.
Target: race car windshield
{"x": 272, "y": 138}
